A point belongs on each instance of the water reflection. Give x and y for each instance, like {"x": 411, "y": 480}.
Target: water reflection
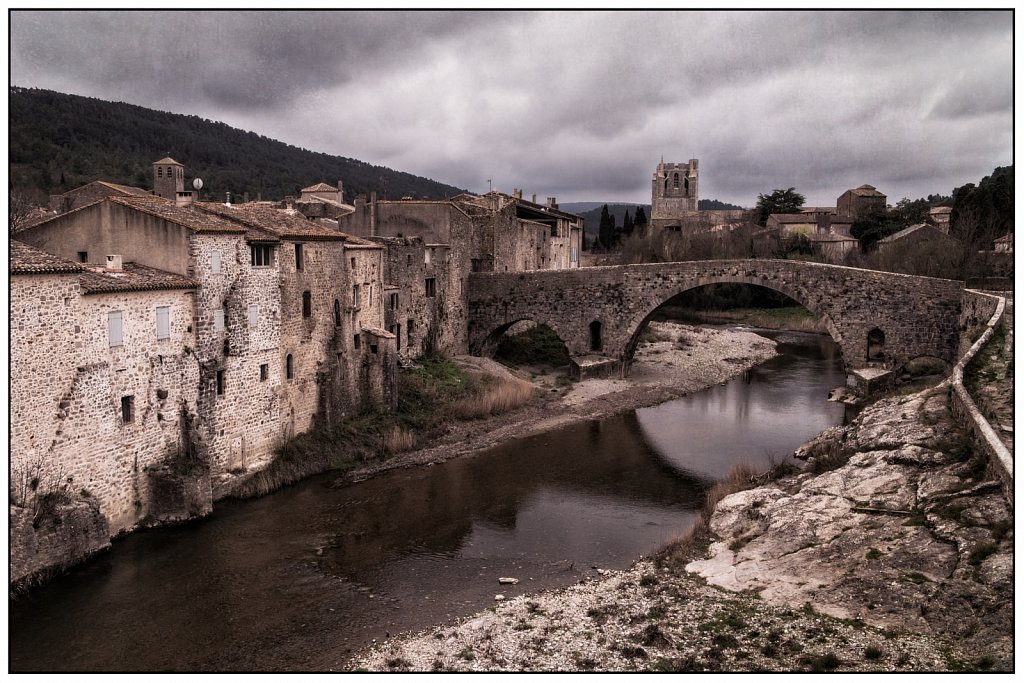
{"x": 764, "y": 415}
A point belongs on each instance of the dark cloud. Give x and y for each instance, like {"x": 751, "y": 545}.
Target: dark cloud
{"x": 579, "y": 105}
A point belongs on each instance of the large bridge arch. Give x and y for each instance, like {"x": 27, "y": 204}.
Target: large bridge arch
{"x": 918, "y": 315}
{"x": 491, "y": 340}
{"x": 639, "y": 322}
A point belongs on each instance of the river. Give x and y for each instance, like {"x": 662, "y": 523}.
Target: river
{"x": 300, "y": 579}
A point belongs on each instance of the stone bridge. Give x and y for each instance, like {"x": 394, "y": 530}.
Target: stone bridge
{"x": 599, "y": 312}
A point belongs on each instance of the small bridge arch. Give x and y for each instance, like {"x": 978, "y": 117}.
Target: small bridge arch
{"x": 918, "y": 315}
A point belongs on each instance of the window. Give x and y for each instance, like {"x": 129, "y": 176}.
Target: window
{"x": 307, "y": 304}
{"x": 554, "y": 230}
{"x": 474, "y": 265}
{"x": 675, "y": 180}
{"x": 220, "y": 382}
{"x": 393, "y": 302}
{"x": 159, "y": 171}
{"x": 408, "y": 332}
{"x": 337, "y": 313}
{"x": 214, "y": 261}
{"x": 355, "y": 341}
{"x": 114, "y": 328}
{"x": 83, "y": 257}
{"x": 574, "y": 255}
{"x": 408, "y": 259}
{"x": 163, "y": 322}
{"x": 298, "y": 257}
{"x": 289, "y": 370}
{"x": 264, "y": 372}
{"x": 127, "y": 409}
{"x": 262, "y": 255}
{"x": 373, "y": 347}
{"x": 218, "y": 320}
{"x": 426, "y": 256}
{"x": 355, "y": 296}
{"x": 430, "y": 286}
{"x": 353, "y": 262}
{"x": 254, "y": 315}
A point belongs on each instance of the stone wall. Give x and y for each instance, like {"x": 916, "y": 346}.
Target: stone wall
{"x": 918, "y": 316}
{"x": 1000, "y": 459}
{"x": 69, "y": 385}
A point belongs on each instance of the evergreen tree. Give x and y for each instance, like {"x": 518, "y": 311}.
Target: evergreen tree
{"x": 627, "y": 224}
{"x": 640, "y": 220}
{"x": 606, "y": 229}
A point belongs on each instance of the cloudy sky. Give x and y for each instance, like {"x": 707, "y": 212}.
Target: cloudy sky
{"x": 578, "y": 105}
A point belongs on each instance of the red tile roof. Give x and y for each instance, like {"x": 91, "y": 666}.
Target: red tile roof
{"x": 320, "y": 187}
{"x": 133, "y": 278}
{"x": 187, "y": 216}
{"x": 275, "y": 223}
{"x": 25, "y": 259}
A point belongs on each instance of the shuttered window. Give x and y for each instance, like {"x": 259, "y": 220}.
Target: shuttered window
{"x": 254, "y": 315}
{"x": 218, "y": 320}
{"x": 114, "y": 328}
{"x": 163, "y": 322}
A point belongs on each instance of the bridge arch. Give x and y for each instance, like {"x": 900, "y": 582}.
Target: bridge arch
{"x": 640, "y": 321}
{"x": 490, "y": 344}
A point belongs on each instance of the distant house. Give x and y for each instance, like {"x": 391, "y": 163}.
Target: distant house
{"x": 829, "y": 235}
{"x": 916, "y": 235}
{"x": 93, "y": 192}
{"x": 860, "y": 201}
{"x": 1004, "y": 244}
{"x": 939, "y": 217}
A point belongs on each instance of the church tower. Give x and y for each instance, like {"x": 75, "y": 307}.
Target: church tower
{"x": 673, "y": 192}
{"x": 168, "y": 178}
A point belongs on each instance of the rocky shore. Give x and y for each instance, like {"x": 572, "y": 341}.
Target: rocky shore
{"x": 890, "y": 551}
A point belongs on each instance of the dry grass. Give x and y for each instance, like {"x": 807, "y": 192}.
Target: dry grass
{"x": 500, "y": 395}
{"x": 692, "y": 544}
{"x": 399, "y": 439}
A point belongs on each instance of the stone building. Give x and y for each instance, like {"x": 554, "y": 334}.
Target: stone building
{"x": 674, "y": 189}
{"x": 939, "y": 217}
{"x": 860, "y": 201}
{"x": 92, "y": 192}
{"x": 104, "y": 389}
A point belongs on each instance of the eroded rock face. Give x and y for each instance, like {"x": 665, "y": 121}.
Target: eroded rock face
{"x": 906, "y": 532}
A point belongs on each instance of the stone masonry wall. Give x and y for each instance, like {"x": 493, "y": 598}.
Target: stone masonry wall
{"x": 917, "y": 315}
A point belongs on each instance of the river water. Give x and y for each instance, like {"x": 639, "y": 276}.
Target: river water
{"x": 301, "y": 579}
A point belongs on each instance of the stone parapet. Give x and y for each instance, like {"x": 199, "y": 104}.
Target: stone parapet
{"x": 967, "y": 412}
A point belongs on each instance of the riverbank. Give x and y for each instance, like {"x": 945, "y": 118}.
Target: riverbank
{"x": 677, "y": 360}
{"x": 892, "y": 551}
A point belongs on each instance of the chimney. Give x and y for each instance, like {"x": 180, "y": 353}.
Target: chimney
{"x": 534, "y": 200}
{"x": 341, "y": 193}
{"x": 114, "y": 263}
{"x": 551, "y": 203}
{"x": 227, "y": 199}
{"x": 518, "y": 194}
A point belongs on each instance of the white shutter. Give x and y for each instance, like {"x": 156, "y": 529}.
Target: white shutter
{"x": 218, "y": 320}
{"x": 254, "y": 315}
{"x": 114, "y": 328}
{"x": 163, "y": 322}
{"x": 214, "y": 261}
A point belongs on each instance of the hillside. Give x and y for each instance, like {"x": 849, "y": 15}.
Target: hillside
{"x": 58, "y": 142}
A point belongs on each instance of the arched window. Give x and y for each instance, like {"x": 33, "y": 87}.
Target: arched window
{"x": 289, "y": 371}
{"x": 337, "y": 313}
{"x": 159, "y": 171}
{"x": 675, "y": 180}
{"x": 876, "y": 344}
{"x": 595, "y": 336}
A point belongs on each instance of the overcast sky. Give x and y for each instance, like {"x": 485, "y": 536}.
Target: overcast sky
{"x": 580, "y": 106}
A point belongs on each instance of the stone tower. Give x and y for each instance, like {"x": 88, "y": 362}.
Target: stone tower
{"x": 673, "y": 191}
{"x": 168, "y": 178}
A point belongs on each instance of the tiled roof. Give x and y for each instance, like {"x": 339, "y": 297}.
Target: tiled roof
{"x": 792, "y": 218}
{"x": 320, "y": 187}
{"x": 904, "y": 233}
{"x": 187, "y": 216}
{"x": 940, "y": 209}
{"x": 168, "y": 160}
{"x": 1008, "y": 237}
{"x": 133, "y": 278}
{"x": 866, "y": 191}
{"x": 126, "y": 189}
{"x": 275, "y": 223}
{"x": 26, "y": 259}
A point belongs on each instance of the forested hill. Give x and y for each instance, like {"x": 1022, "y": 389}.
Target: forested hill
{"x": 58, "y": 142}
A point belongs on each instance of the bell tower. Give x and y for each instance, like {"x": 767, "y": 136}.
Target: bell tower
{"x": 168, "y": 178}
{"x": 673, "y": 191}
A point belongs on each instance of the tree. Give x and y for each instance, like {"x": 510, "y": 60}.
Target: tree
{"x": 606, "y": 229}
{"x": 20, "y": 211}
{"x": 779, "y": 201}
{"x": 627, "y": 224}
{"x": 640, "y": 220}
